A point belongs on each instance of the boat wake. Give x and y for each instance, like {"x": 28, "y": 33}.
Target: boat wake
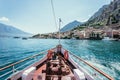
{"x": 112, "y": 68}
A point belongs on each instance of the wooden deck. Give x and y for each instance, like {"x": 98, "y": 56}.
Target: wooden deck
{"x": 38, "y": 73}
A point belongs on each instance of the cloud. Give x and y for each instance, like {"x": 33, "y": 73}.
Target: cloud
{"x": 5, "y": 19}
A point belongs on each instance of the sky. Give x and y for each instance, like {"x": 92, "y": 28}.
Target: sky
{"x": 35, "y": 16}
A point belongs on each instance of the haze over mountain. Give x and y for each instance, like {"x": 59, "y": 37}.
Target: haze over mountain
{"x": 70, "y": 26}
{"x": 7, "y": 30}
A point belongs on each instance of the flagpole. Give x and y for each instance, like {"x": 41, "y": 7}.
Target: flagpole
{"x": 59, "y": 29}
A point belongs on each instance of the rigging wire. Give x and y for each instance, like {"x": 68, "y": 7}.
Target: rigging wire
{"x": 53, "y": 10}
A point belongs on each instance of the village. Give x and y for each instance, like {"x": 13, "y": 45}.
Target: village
{"x": 89, "y": 33}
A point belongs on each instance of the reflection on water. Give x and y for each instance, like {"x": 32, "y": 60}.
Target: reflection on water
{"x": 103, "y": 54}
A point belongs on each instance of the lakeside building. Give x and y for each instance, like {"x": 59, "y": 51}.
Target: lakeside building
{"x": 86, "y": 33}
{"x": 116, "y": 34}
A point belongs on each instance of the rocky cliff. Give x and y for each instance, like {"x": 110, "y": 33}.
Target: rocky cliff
{"x": 108, "y": 15}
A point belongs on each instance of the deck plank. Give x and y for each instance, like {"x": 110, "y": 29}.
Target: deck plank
{"x": 39, "y": 72}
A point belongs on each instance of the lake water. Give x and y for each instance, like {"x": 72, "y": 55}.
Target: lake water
{"x": 103, "y": 54}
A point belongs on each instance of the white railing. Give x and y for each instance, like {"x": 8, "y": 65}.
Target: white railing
{"x": 98, "y": 71}
{"x": 13, "y": 67}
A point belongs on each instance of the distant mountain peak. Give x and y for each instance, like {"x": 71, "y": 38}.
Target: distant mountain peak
{"x": 7, "y": 30}
{"x": 70, "y": 26}
{"x": 76, "y": 21}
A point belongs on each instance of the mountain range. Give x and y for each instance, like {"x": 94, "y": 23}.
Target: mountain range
{"x": 98, "y": 13}
{"x": 106, "y": 16}
{"x": 71, "y": 26}
{"x": 7, "y": 30}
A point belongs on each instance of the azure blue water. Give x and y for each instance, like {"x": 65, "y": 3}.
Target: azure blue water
{"x": 103, "y": 54}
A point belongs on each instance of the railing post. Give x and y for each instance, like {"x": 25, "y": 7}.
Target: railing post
{"x": 13, "y": 69}
{"x": 12, "y": 66}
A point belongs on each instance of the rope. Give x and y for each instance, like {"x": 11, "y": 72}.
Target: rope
{"x": 53, "y": 11}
